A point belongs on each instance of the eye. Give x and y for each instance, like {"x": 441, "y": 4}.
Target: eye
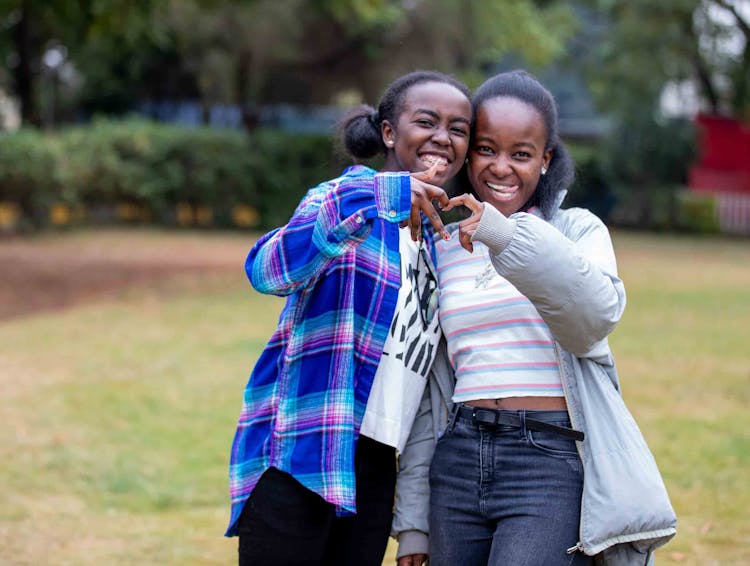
{"x": 424, "y": 122}
{"x": 484, "y": 150}
{"x": 522, "y": 155}
{"x": 460, "y": 131}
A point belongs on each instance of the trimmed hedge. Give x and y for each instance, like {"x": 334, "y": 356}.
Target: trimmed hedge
{"x": 139, "y": 171}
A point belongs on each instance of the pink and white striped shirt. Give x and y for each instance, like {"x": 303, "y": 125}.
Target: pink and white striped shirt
{"x": 497, "y": 341}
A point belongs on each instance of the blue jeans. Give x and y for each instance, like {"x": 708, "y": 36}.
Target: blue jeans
{"x": 505, "y": 495}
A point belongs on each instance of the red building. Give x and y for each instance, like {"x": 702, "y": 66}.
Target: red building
{"x": 724, "y": 169}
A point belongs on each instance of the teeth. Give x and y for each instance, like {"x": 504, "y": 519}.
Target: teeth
{"x": 503, "y": 188}
{"x": 432, "y": 159}
{"x": 503, "y": 191}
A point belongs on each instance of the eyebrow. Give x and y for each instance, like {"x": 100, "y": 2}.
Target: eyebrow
{"x": 437, "y": 116}
{"x": 515, "y": 145}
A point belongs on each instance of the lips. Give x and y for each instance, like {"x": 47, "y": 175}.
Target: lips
{"x": 503, "y": 192}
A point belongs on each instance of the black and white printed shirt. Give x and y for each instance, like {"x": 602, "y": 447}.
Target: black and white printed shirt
{"x": 409, "y": 349}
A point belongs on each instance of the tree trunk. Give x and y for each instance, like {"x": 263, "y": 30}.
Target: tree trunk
{"x": 740, "y": 80}
{"x": 741, "y": 99}
{"x": 23, "y": 73}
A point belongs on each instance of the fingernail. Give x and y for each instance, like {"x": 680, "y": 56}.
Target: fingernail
{"x": 446, "y": 235}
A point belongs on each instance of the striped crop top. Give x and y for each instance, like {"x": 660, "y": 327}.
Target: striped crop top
{"x": 497, "y": 341}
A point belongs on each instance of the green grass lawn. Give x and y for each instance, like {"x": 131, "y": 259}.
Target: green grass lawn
{"x": 118, "y": 415}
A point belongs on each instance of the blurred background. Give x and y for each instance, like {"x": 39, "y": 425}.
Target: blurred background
{"x": 185, "y": 111}
{"x": 144, "y": 145}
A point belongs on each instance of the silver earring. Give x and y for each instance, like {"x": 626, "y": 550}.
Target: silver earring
{"x": 389, "y": 143}
{"x": 544, "y": 170}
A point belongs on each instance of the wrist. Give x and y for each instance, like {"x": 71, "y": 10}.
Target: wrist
{"x": 393, "y": 195}
{"x": 494, "y": 230}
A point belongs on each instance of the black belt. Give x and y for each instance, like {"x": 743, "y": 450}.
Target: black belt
{"x": 497, "y": 417}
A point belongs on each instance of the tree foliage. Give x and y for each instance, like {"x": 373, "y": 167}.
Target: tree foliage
{"x": 644, "y": 45}
{"x": 256, "y": 51}
{"x": 35, "y": 26}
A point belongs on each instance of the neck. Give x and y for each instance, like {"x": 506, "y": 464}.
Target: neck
{"x": 390, "y": 163}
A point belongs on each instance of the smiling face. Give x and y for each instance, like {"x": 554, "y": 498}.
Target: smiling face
{"x": 507, "y": 153}
{"x": 433, "y": 126}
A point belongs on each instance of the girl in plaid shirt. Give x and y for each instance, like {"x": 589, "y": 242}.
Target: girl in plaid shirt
{"x": 306, "y": 486}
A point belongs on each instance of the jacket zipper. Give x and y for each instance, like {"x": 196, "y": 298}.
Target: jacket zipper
{"x": 577, "y": 548}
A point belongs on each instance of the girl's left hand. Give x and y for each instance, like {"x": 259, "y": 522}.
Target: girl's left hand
{"x": 467, "y": 227}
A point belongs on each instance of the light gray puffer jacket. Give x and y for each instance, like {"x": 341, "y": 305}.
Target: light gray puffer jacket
{"x": 566, "y": 267}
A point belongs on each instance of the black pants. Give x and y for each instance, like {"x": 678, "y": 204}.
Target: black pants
{"x": 284, "y": 523}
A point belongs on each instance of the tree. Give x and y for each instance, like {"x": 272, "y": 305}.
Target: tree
{"x": 35, "y": 26}
{"x": 29, "y": 25}
{"x": 647, "y": 45}
{"x": 307, "y": 50}
{"x": 258, "y": 51}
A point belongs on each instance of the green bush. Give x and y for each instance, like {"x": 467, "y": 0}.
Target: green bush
{"x": 289, "y": 164}
{"x": 697, "y": 213}
{"x": 28, "y": 173}
{"x": 155, "y": 169}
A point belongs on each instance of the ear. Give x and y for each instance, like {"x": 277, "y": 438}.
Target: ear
{"x": 547, "y": 158}
{"x": 388, "y": 133}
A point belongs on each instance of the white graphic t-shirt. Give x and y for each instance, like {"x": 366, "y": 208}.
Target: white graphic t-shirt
{"x": 409, "y": 349}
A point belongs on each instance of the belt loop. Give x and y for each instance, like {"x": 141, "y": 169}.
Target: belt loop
{"x": 522, "y": 416}
{"x": 454, "y": 416}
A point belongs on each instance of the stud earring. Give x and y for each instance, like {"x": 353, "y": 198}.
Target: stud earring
{"x": 389, "y": 143}
{"x": 544, "y": 170}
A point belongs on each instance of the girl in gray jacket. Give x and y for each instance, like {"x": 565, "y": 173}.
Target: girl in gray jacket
{"x": 530, "y": 453}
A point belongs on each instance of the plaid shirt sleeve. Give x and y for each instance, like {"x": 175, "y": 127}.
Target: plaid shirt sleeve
{"x": 331, "y": 219}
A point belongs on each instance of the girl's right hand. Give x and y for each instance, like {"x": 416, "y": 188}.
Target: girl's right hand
{"x": 422, "y": 195}
{"x": 468, "y": 226}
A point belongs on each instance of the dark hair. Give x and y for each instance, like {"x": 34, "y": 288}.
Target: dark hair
{"x": 360, "y": 127}
{"x": 526, "y": 88}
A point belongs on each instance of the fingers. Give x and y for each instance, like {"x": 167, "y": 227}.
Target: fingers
{"x": 433, "y": 216}
{"x": 415, "y": 224}
{"x": 467, "y": 200}
{"x": 412, "y": 560}
{"x": 431, "y": 192}
{"x": 439, "y": 195}
{"x": 437, "y": 223}
{"x": 422, "y": 195}
{"x": 464, "y": 238}
{"x": 427, "y": 174}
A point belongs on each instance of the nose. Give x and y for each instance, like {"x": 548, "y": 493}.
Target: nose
{"x": 441, "y": 136}
{"x": 501, "y": 165}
